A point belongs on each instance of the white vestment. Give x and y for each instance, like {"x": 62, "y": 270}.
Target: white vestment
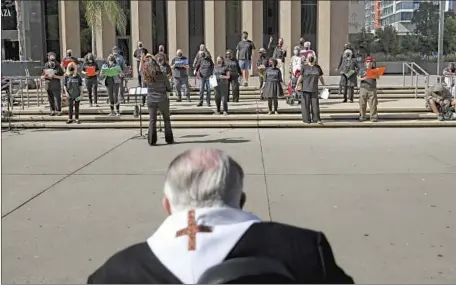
{"x": 227, "y": 225}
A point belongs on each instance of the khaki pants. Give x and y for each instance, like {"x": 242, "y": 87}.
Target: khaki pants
{"x": 368, "y": 97}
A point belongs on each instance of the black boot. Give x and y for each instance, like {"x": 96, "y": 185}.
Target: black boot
{"x": 152, "y": 138}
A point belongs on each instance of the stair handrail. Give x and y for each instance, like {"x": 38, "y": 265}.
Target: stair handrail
{"x": 413, "y": 74}
{"x": 425, "y": 73}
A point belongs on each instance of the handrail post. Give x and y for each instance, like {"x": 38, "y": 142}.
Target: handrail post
{"x": 416, "y": 86}
{"x": 403, "y": 74}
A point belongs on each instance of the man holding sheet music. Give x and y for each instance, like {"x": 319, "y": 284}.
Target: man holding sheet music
{"x": 179, "y": 66}
{"x": 368, "y": 90}
{"x": 52, "y": 74}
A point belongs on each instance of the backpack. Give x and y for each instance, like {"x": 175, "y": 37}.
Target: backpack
{"x": 72, "y": 85}
{"x": 248, "y": 270}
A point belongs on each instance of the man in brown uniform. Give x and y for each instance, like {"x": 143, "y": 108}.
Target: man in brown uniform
{"x": 368, "y": 92}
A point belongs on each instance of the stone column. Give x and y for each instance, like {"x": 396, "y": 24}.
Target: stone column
{"x": 289, "y": 29}
{"x": 332, "y": 29}
{"x": 252, "y": 23}
{"x": 178, "y": 27}
{"x": 105, "y": 37}
{"x": 215, "y": 27}
{"x": 141, "y": 27}
{"x": 70, "y": 31}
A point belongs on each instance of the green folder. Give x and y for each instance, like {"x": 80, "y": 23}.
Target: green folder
{"x": 111, "y": 72}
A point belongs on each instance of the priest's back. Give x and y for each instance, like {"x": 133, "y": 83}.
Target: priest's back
{"x": 204, "y": 197}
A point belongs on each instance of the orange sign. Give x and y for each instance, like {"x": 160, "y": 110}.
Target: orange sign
{"x": 90, "y": 70}
{"x": 375, "y": 73}
{"x": 66, "y": 62}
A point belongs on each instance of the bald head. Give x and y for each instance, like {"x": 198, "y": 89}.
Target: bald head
{"x": 203, "y": 177}
{"x": 161, "y": 48}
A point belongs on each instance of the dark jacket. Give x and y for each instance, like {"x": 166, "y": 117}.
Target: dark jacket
{"x": 205, "y": 67}
{"x": 179, "y": 71}
{"x": 157, "y": 90}
{"x": 89, "y": 64}
{"x": 54, "y": 83}
{"x": 233, "y": 67}
{"x": 306, "y": 253}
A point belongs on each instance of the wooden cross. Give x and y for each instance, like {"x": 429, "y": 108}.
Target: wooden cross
{"x": 192, "y": 229}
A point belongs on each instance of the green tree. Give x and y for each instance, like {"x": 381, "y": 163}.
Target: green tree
{"x": 426, "y": 21}
{"x": 387, "y": 41}
{"x": 409, "y": 44}
{"x": 364, "y": 41}
{"x": 449, "y": 38}
{"x": 93, "y": 9}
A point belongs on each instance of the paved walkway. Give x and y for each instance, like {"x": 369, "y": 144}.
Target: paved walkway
{"x": 384, "y": 197}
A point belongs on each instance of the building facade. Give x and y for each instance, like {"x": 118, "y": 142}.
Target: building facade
{"x": 184, "y": 24}
{"x": 398, "y": 14}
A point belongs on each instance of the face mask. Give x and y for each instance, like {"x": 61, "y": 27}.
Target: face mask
{"x": 179, "y": 54}
{"x": 245, "y": 37}
{"x": 69, "y": 54}
{"x": 140, "y": 46}
{"x": 71, "y": 69}
{"x": 203, "y": 56}
{"x": 296, "y": 52}
{"x": 311, "y": 59}
{"x": 228, "y": 55}
{"x": 307, "y": 48}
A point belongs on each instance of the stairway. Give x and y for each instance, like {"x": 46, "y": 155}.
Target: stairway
{"x": 397, "y": 108}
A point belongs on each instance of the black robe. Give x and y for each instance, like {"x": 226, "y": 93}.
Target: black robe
{"x": 306, "y": 253}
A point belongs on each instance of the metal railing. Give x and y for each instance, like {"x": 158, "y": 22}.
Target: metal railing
{"x": 19, "y": 89}
{"x": 415, "y": 72}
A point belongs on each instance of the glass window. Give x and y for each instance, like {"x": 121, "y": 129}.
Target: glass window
{"x": 233, "y": 23}
{"x": 270, "y": 21}
{"x": 406, "y": 16}
{"x": 51, "y": 12}
{"x": 309, "y": 21}
{"x": 86, "y": 32}
{"x": 195, "y": 26}
{"x": 160, "y": 25}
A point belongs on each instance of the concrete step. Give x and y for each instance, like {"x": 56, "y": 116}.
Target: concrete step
{"x": 230, "y": 117}
{"x": 233, "y": 124}
{"x": 104, "y": 110}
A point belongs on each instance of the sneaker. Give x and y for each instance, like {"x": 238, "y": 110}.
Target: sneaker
{"x": 69, "y": 121}
{"x": 319, "y": 122}
{"x": 59, "y": 113}
{"x": 179, "y": 99}
{"x": 440, "y": 117}
{"x": 361, "y": 119}
{"x": 269, "y": 113}
{"x": 112, "y": 114}
{"x": 52, "y": 113}
{"x": 276, "y": 112}
{"x": 217, "y": 113}
{"x": 78, "y": 121}
{"x": 373, "y": 120}
{"x": 246, "y": 84}
{"x": 117, "y": 114}
{"x": 96, "y": 105}
{"x": 225, "y": 113}
{"x": 188, "y": 99}
{"x": 199, "y": 104}
{"x": 208, "y": 104}
{"x": 90, "y": 105}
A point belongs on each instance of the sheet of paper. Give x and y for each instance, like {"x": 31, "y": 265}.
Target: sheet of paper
{"x": 137, "y": 91}
{"x": 49, "y": 72}
{"x": 90, "y": 70}
{"x": 324, "y": 94}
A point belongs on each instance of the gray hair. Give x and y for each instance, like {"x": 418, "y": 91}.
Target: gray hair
{"x": 203, "y": 177}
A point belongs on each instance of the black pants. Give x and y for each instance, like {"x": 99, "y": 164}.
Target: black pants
{"x": 71, "y": 103}
{"x": 92, "y": 88}
{"x": 113, "y": 94}
{"x": 139, "y": 78}
{"x": 310, "y": 104}
{"x": 273, "y": 101}
{"x": 221, "y": 95}
{"x": 349, "y": 92}
{"x": 55, "y": 99}
{"x": 234, "y": 83}
{"x": 163, "y": 106}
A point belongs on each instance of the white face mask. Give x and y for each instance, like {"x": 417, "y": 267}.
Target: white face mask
{"x": 296, "y": 52}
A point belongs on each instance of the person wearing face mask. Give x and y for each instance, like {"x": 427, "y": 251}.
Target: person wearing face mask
{"x": 348, "y": 79}
{"x": 368, "y": 92}
{"x": 306, "y": 51}
{"x": 307, "y": 88}
{"x": 139, "y": 52}
{"x": 198, "y": 56}
{"x": 113, "y": 85}
{"x": 262, "y": 65}
{"x": 120, "y": 60}
{"x": 161, "y": 53}
{"x": 235, "y": 71}
{"x": 245, "y": 50}
{"x": 180, "y": 67}
{"x": 222, "y": 73}
{"x": 280, "y": 53}
{"x": 294, "y": 71}
{"x": 69, "y": 58}
{"x": 157, "y": 99}
{"x": 347, "y": 46}
{"x": 91, "y": 69}
{"x": 73, "y": 91}
{"x": 53, "y": 84}
{"x": 205, "y": 68}
{"x": 273, "y": 86}
{"x": 301, "y": 43}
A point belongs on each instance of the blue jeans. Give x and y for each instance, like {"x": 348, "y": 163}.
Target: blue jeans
{"x": 205, "y": 85}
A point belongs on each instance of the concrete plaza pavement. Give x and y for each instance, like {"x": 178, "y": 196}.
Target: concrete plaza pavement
{"x": 384, "y": 197}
